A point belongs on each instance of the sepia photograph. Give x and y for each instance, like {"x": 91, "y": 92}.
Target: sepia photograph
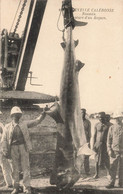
{"x": 61, "y": 96}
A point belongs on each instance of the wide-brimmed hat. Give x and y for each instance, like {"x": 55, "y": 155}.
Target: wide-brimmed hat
{"x": 117, "y": 114}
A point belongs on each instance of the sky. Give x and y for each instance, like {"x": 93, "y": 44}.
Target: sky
{"x": 100, "y": 48}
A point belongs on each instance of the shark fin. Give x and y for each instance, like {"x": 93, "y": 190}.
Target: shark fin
{"x": 79, "y": 23}
{"x": 85, "y": 150}
{"x": 79, "y": 65}
{"x": 54, "y": 112}
{"x": 63, "y": 44}
{"x": 76, "y": 42}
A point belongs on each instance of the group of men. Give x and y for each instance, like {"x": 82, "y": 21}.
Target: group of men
{"x": 107, "y": 142}
{"x": 16, "y": 145}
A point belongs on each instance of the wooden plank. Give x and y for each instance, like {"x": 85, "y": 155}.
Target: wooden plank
{"x": 35, "y": 97}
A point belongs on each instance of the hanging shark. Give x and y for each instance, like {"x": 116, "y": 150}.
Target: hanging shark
{"x": 71, "y": 139}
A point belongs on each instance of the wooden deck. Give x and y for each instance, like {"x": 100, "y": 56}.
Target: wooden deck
{"x": 85, "y": 185}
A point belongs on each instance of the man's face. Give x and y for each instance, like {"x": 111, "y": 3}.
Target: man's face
{"x": 16, "y": 117}
{"x": 83, "y": 114}
{"x": 107, "y": 118}
{"x": 101, "y": 119}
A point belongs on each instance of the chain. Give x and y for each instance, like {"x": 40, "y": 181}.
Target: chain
{"x": 15, "y": 16}
{"x": 19, "y": 17}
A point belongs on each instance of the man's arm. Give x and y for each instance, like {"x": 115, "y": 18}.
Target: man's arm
{"x": 4, "y": 143}
{"x": 36, "y": 121}
{"x": 1, "y": 128}
{"x": 109, "y": 141}
{"x": 94, "y": 136}
{"x": 89, "y": 129}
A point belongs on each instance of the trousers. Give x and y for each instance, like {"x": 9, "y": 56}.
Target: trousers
{"x": 6, "y": 170}
{"x": 20, "y": 156}
{"x": 116, "y": 163}
{"x": 86, "y": 164}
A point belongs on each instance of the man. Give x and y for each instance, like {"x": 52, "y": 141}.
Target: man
{"x": 16, "y": 145}
{"x": 87, "y": 128}
{"x": 115, "y": 150}
{"x": 107, "y": 120}
{"x": 4, "y": 163}
{"x": 99, "y": 145}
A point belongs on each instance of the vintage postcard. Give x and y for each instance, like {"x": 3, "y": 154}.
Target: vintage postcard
{"x": 61, "y": 67}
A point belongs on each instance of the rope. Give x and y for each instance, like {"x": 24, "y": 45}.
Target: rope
{"x": 63, "y": 30}
{"x": 15, "y": 16}
{"x": 58, "y": 21}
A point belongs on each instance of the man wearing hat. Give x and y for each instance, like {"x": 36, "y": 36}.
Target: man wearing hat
{"x": 87, "y": 128}
{"x": 99, "y": 144}
{"x": 4, "y": 163}
{"x": 16, "y": 145}
{"x": 115, "y": 150}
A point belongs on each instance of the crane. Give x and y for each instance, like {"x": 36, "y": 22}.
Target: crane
{"x": 16, "y": 57}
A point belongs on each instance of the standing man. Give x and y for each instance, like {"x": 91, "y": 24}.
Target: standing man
{"x": 16, "y": 145}
{"x": 115, "y": 150}
{"x": 4, "y": 163}
{"x": 99, "y": 145}
{"x": 87, "y": 128}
